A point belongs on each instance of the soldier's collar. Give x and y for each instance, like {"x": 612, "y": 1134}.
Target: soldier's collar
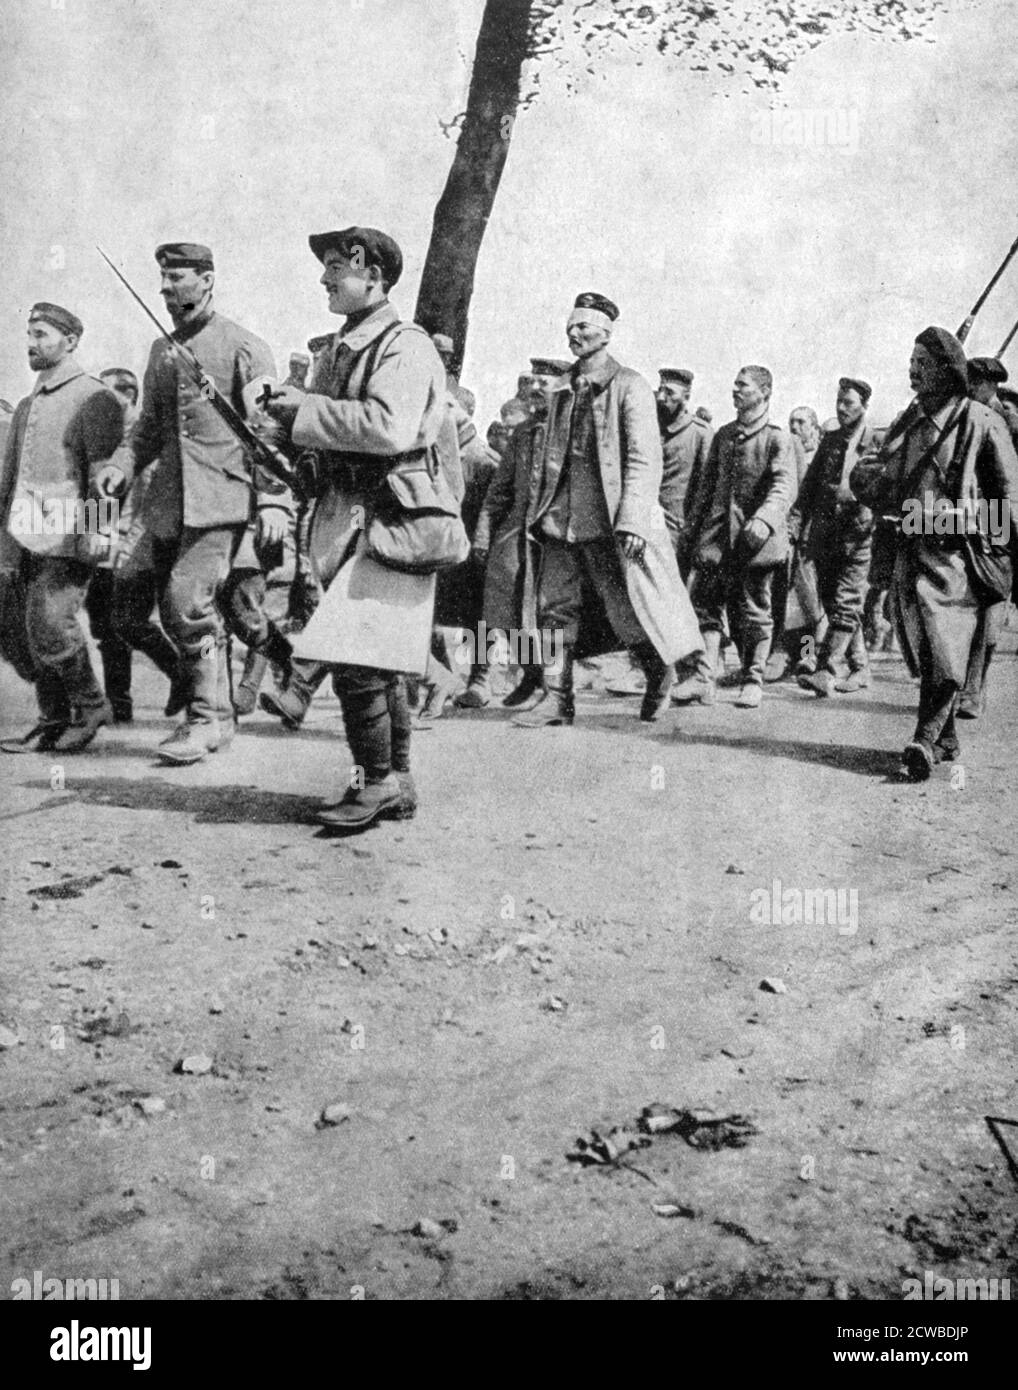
{"x": 598, "y": 379}
{"x": 366, "y": 330}
{"x": 53, "y": 377}
{"x": 194, "y": 326}
{"x": 754, "y": 427}
{"x": 681, "y": 421}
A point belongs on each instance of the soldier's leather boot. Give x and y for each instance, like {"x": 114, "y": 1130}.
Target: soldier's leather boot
{"x": 858, "y": 674}
{"x": 821, "y": 682}
{"x": 660, "y": 677}
{"x": 701, "y": 687}
{"x": 192, "y": 741}
{"x": 91, "y": 708}
{"x": 54, "y": 717}
{"x": 245, "y": 697}
{"x": 293, "y": 700}
{"x": 478, "y": 691}
{"x": 556, "y": 705}
{"x": 82, "y": 729}
{"x": 362, "y": 806}
{"x": 116, "y": 662}
{"x": 532, "y": 682}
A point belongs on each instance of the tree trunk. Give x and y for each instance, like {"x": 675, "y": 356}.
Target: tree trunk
{"x": 461, "y": 217}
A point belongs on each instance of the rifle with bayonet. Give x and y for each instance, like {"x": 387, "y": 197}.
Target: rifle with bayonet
{"x": 268, "y": 461}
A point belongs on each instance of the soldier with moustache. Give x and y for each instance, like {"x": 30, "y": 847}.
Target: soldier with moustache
{"x": 598, "y": 529}
{"x": 64, "y": 449}
{"x": 500, "y": 539}
{"x": 742, "y": 539}
{"x": 202, "y": 496}
{"x": 685, "y": 445}
{"x": 944, "y": 455}
{"x": 835, "y": 536}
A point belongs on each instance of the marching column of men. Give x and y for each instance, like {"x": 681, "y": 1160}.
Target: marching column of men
{"x": 608, "y": 499}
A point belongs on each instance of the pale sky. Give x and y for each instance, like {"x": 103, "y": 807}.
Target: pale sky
{"x": 247, "y": 124}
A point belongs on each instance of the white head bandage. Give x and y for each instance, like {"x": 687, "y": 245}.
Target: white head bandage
{"x": 594, "y": 316}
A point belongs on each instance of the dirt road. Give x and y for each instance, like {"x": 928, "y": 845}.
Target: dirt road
{"x": 575, "y": 927}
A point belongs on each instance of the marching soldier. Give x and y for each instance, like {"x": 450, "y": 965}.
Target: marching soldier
{"x": 121, "y": 596}
{"x": 598, "y": 523}
{"x": 65, "y": 446}
{"x": 500, "y": 540}
{"x": 742, "y": 539}
{"x": 804, "y": 426}
{"x": 685, "y": 444}
{"x": 945, "y": 453}
{"x": 986, "y": 376}
{"x": 202, "y": 496}
{"x": 835, "y": 535}
{"x": 378, "y": 399}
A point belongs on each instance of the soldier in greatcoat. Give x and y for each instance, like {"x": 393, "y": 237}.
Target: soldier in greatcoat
{"x": 377, "y": 398}
{"x": 948, "y": 468}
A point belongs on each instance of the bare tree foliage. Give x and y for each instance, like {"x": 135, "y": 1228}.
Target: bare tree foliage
{"x": 740, "y": 44}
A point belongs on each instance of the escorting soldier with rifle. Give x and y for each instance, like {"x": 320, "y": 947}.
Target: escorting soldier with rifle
{"x": 945, "y": 455}
{"x": 377, "y": 415}
{"x": 204, "y": 492}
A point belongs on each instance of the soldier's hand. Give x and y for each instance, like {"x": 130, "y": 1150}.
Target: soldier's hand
{"x": 755, "y": 534}
{"x": 283, "y": 405}
{"x": 110, "y": 481}
{"x": 631, "y": 546}
{"x": 270, "y": 528}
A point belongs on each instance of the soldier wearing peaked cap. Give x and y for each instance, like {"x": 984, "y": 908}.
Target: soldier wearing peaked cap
{"x": 500, "y": 539}
{"x": 685, "y": 444}
{"x": 986, "y": 375}
{"x": 597, "y": 524}
{"x": 202, "y": 496}
{"x": 377, "y": 402}
{"x": 65, "y": 447}
{"x": 945, "y": 456}
{"x": 835, "y": 536}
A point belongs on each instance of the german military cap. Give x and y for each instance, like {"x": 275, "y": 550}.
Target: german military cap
{"x": 986, "y": 369}
{"x": 590, "y": 300}
{"x": 680, "y": 374}
{"x": 184, "y": 255}
{"x": 853, "y": 383}
{"x": 375, "y": 247}
{"x": 549, "y": 366}
{"x": 57, "y": 317}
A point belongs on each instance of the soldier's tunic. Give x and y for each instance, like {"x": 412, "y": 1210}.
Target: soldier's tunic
{"x": 685, "y": 445}
{"x": 835, "y": 530}
{"x": 61, "y": 435}
{"x": 601, "y": 476}
{"x": 504, "y": 523}
{"x": 378, "y": 394}
{"x": 201, "y": 497}
{"x": 942, "y": 583}
{"x": 752, "y": 472}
